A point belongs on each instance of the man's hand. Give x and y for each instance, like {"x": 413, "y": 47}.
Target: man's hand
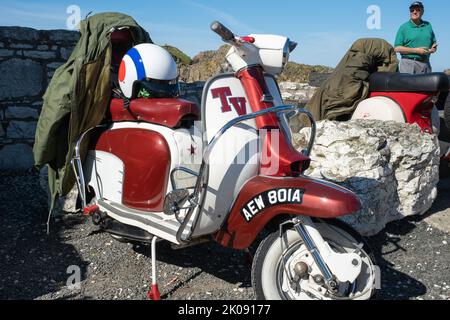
{"x": 422, "y": 51}
{"x": 433, "y": 48}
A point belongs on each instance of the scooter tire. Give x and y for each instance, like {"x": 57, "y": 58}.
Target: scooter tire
{"x": 266, "y": 246}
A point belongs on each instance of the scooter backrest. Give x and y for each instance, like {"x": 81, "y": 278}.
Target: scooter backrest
{"x": 401, "y": 82}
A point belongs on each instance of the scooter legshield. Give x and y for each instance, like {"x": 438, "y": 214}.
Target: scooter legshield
{"x": 263, "y": 198}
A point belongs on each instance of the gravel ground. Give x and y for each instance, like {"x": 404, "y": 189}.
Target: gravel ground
{"x": 413, "y": 257}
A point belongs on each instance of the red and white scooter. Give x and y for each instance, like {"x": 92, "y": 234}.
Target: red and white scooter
{"x": 407, "y": 98}
{"x": 154, "y": 173}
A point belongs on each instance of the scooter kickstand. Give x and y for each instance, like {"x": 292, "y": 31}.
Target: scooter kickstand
{"x": 153, "y": 293}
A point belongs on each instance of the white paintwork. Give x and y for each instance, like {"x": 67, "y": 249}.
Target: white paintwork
{"x": 150, "y": 217}
{"x": 185, "y": 139}
{"x": 365, "y": 282}
{"x": 379, "y": 108}
{"x": 340, "y": 264}
{"x": 229, "y": 167}
{"x": 157, "y": 62}
{"x": 269, "y": 51}
{"x": 103, "y": 171}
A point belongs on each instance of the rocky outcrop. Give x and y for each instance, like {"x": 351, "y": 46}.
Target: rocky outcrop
{"x": 392, "y": 167}
{"x": 28, "y": 59}
{"x": 208, "y": 63}
{"x": 204, "y": 65}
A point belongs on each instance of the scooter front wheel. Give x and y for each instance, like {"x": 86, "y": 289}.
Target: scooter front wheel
{"x": 274, "y": 276}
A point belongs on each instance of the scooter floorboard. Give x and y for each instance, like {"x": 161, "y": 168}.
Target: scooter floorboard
{"x": 156, "y": 223}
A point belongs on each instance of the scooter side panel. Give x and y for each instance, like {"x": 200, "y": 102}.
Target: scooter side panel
{"x": 104, "y": 173}
{"x": 145, "y": 175}
{"x": 417, "y": 107}
{"x": 379, "y": 108}
{"x": 263, "y": 198}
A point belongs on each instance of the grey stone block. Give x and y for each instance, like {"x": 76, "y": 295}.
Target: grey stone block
{"x": 6, "y": 53}
{"x": 21, "y": 46}
{"x": 66, "y": 52}
{"x": 21, "y": 130}
{"x": 54, "y": 65}
{"x": 63, "y": 35}
{"x": 42, "y": 47}
{"x": 19, "y": 34}
{"x": 17, "y": 84}
{"x": 2, "y": 131}
{"x": 21, "y": 113}
{"x": 1, "y": 45}
{"x": 16, "y": 157}
{"x": 40, "y": 54}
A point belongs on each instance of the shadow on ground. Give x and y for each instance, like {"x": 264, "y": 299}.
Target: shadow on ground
{"x": 33, "y": 263}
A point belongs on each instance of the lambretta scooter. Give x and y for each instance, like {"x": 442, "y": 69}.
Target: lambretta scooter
{"x": 407, "y": 98}
{"x": 155, "y": 173}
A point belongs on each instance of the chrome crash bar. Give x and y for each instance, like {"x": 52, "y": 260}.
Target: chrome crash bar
{"x": 199, "y": 185}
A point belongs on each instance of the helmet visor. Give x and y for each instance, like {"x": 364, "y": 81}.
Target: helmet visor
{"x": 160, "y": 88}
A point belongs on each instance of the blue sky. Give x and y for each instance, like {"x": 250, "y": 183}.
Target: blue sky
{"x": 324, "y": 29}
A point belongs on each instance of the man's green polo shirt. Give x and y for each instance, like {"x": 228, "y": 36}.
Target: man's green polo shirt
{"x": 411, "y": 35}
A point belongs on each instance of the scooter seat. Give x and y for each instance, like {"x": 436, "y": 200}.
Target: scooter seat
{"x": 168, "y": 112}
{"x": 403, "y": 82}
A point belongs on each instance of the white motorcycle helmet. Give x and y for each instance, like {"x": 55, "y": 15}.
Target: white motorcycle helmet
{"x": 150, "y": 67}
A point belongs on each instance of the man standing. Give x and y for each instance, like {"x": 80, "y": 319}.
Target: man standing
{"x": 415, "y": 42}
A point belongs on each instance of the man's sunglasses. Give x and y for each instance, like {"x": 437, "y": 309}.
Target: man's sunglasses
{"x": 418, "y": 9}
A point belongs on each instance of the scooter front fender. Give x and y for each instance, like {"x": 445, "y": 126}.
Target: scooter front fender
{"x": 263, "y": 198}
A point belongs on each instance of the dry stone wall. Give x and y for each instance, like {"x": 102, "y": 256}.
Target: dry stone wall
{"x": 28, "y": 59}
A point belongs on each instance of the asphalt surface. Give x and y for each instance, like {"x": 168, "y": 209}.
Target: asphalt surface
{"x": 413, "y": 257}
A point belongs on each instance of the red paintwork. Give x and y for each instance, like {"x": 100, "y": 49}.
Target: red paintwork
{"x": 239, "y": 103}
{"x": 416, "y": 107}
{"x": 247, "y": 39}
{"x": 281, "y": 153}
{"x": 321, "y": 200}
{"x": 255, "y": 87}
{"x": 90, "y": 209}
{"x": 122, "y": 71}
{"x": 153, "y": 293}
{"x": 146, "y": 158}
{"x": 166, "y": 112}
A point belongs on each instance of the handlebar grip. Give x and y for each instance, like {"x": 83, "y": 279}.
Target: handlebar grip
{"x": 222, "y": 31}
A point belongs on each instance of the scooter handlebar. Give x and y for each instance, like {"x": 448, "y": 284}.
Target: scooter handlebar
{"x": 222, "y": 31}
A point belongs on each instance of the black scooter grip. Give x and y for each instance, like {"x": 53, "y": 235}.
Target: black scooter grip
{"x": 222, "y": 31}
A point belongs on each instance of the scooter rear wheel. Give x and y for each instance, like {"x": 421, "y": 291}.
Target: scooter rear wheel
{"x": 269, "y": 276}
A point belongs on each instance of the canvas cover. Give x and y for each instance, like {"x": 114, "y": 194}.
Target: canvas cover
{"x": 339, "y": 95}
{"x": 77, "y": 97}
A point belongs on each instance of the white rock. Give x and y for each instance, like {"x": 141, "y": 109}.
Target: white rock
{"x": 392, "y": 167}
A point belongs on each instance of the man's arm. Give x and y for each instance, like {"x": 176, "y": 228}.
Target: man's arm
{"x": 406, "y": 50}
{"x": 434, "y": 46}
